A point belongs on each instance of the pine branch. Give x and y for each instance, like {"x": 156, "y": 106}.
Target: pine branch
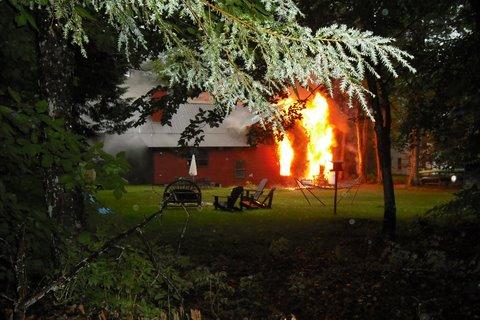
{"x": 222, "y": 51}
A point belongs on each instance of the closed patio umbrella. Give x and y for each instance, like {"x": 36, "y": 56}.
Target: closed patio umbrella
{"x": 193, "y": 167}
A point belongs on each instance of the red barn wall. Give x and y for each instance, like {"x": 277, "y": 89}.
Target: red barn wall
{"x": 259, "y": 162}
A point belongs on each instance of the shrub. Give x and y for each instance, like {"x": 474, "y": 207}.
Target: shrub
{"x": 465, "y": 203}
{"x": 131, "y": 285}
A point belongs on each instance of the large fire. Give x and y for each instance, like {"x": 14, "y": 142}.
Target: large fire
{"x": 285, "y": 152}
{"x": 320, "y": 139}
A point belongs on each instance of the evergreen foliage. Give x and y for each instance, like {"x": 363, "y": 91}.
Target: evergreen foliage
{"x": 216, "y": 46}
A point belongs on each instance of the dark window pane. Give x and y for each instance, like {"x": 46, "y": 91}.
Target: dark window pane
{"x": 201, "y": 158}
{"x": 239, "y": 169}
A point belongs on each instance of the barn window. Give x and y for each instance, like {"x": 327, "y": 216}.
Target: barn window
{"x": 240, "y": 169}
{"x": 201, "y": 158}
{"x": 399, "y": 163}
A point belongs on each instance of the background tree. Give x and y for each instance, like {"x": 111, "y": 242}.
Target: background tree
{"x": 361, "y": 132}
{"x": 452, "y": 70}
{"x": 439, "y": 106}
{"x": 378, "y": 16}
{"x": 434, "y": 101}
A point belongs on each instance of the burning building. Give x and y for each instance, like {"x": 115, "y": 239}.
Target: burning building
{"x": 225, "y": 158}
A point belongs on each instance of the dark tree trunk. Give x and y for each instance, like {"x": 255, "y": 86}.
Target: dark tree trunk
{"x": 56, "y": 70}
{"x": 378, "y": 167}
{"x": 475, "y": 6}
{"x": 382, "y": 115}
{"x": 343, "y": 143}
{"x": 20, "y": 269}
{"x": 361, "y": 133}
{"x": 413, "y": 175}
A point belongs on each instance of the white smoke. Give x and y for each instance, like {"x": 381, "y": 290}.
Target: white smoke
{"x": 138, "y": 83}
{"x": 238, "y": 121}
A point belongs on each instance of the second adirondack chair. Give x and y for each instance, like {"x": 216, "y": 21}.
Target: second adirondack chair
{"x": 255, "y": 193}
{"x": 228, "y": 202}
{"x": 251, "y": 203}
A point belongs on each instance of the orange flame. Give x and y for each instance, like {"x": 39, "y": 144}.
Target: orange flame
{"x": 320, "y": 134}
{"x": 319, "y": 131}
{"x": 286, "y": 153}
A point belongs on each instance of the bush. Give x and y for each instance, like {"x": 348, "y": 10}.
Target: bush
{"x": 465, "y": 203}
{"x": 130, "y": 285}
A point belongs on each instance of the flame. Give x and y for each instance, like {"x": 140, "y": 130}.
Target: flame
{"x": 319, "y": 132}
{"x": 286, "y": 153}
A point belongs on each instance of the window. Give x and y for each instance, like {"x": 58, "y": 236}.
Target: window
{"x": 201, "y": 157}
{"x": 240, "y": 169}
{"x": 399, "y": 163}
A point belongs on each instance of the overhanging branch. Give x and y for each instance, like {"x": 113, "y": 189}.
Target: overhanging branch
{"x": 107, "y": 246}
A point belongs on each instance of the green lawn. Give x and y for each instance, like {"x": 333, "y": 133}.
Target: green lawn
{"x": 300, "y": 259}
{"x": 291, "y": 217}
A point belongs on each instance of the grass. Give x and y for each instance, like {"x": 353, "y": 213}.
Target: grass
{"x": 298, "y": 259}
{"x": 291, "y": 217}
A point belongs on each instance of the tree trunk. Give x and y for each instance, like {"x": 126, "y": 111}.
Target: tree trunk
{"x": 364, "y": 146}
{"x": 20, "y": 270}
{"x": 55, "y": 63}
{"x": 472, "y": 169}
{"x": 343, "y": 143}
{"x": 377, "y": 159}
{"x": 382, "y": 115}
{"x": 56, "y": 70}
{"x": 360, "y": 128}
{"x": 413, "y": 175}
{"x": 475, "y": 5}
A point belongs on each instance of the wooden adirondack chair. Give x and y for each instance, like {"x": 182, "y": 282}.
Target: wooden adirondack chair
{"x": 256, "y": 192}
{"x": 251, "y": 203}
{"x": 230, "y": 201}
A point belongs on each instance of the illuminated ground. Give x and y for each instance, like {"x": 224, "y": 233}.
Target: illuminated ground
{"x": 291, "y": 217}
{"x": 300, "y": 259}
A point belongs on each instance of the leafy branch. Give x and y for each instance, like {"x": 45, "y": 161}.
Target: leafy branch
{"x": 219, "y": 47}
{"x": 58, "y": 282}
